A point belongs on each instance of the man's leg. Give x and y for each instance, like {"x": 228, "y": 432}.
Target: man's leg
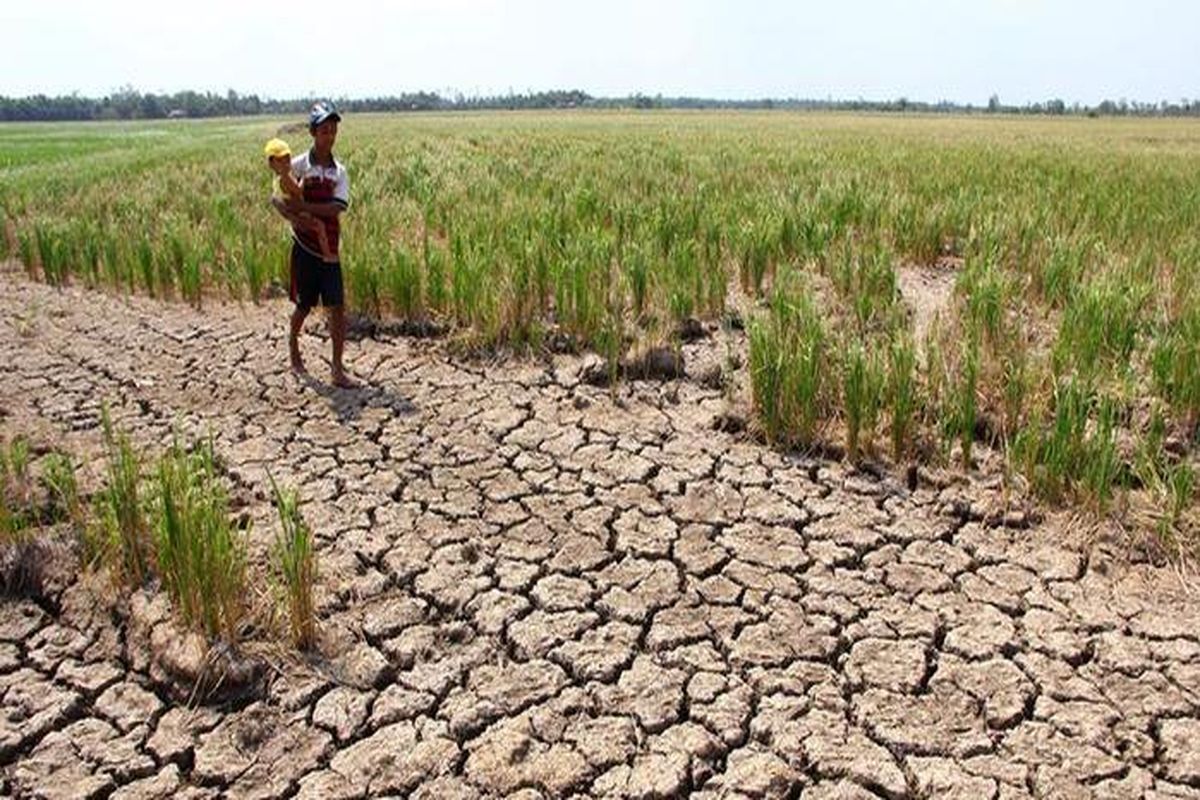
{"x": 333, "y": 298}
{"x": 298, "y": 317}
{"x": 337, "y": 334}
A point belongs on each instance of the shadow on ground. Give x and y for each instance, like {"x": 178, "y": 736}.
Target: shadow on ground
{"x": 348, "y": 404}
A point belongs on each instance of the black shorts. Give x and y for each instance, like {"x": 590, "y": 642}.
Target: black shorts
{"x": 314, "y": 280}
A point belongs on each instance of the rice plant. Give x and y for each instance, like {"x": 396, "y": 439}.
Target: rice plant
{"x": 1181, "y": 487}
{"x": 862, "y": 393}
{"x": 15, "y": 457}
{"x": 14, "y": 491}
{"x": 902, "y": 394}
{"x": 295, "y": 562}
{"x": 987, "y": 290}
{"x": 788, "y": 368}
{"x": 1100, "y": 326}
{"x": 1100, "y": 469}
{"x": 121, "y": 536}
{"x": 254, "y": 268}
{"x": 58, "y": 477}
{"x": 25, "y": 251}
{"x": 1175, "y": 365}
{"x": 1063, "y": 271}
{"x": 201, "y": 557}
{"x": 147, "y": 269}
{"x": 1076, "y": 454}
{"x": 961, "y": 409}
{"x": 757, "y": 254}
{"x": 8, "y": 236}
{"x": 403, "y": 287}
{"x": 1016, "y": 379}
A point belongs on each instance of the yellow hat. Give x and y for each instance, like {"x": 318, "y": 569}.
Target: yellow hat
{"x": 277, "y": 148}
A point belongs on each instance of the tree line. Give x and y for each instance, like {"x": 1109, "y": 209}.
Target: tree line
{"x": 128, "y": 103}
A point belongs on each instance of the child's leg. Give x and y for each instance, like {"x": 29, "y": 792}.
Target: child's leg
{"x": 318, "y": 228}
{"x": 323, "y": 240}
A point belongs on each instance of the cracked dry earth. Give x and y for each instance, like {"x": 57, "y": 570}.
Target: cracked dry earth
{"x": 529, "y": 590}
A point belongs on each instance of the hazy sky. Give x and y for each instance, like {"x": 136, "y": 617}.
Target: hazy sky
{"x": 963, "y": 50}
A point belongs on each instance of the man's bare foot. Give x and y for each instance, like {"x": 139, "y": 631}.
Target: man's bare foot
{"x": 341, "y": 381}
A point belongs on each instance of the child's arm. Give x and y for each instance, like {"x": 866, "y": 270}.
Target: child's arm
{"x": 282, "y": 168}
{"x": 287, "y": 182}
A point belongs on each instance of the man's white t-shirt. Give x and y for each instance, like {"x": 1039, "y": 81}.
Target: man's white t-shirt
{"x": 321, "y": 184}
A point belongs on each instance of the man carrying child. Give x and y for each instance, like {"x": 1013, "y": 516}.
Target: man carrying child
{"x": 316, "y": 270}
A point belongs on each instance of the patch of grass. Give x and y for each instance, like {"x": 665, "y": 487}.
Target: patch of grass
{"x": 10, "y": 524}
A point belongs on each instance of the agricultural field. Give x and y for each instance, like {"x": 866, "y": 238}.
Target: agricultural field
{"x": 698, "y": 454}
{"x": 1052, "y": 310}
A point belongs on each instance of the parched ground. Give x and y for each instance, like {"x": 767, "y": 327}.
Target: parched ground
{"x": 529, "y": 590}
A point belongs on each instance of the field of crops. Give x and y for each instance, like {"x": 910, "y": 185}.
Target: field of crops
{"x": 1069, "y": 344}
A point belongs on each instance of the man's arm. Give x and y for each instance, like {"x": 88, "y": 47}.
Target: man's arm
{"x": 287, "y": 209}
{"x": 299, "y": 219}
{"x": 327, "y": 210}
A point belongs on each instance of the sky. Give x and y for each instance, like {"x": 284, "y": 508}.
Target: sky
{"x": 960, "y": 50}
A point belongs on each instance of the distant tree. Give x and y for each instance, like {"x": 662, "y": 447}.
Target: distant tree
{"x": 128, "y": 103}
{"x": 151, "y": 107}
{"x": 125, "y": 102}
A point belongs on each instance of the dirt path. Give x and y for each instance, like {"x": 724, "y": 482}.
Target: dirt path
{"x": 529, "y": 591}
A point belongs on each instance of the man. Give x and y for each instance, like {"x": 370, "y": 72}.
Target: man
{"x": 326, "y": 195}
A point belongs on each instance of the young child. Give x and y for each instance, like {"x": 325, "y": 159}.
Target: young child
{"x": 279, "y": 159}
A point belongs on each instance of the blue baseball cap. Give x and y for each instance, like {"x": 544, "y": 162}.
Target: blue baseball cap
{"x": 320, "y": 112}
